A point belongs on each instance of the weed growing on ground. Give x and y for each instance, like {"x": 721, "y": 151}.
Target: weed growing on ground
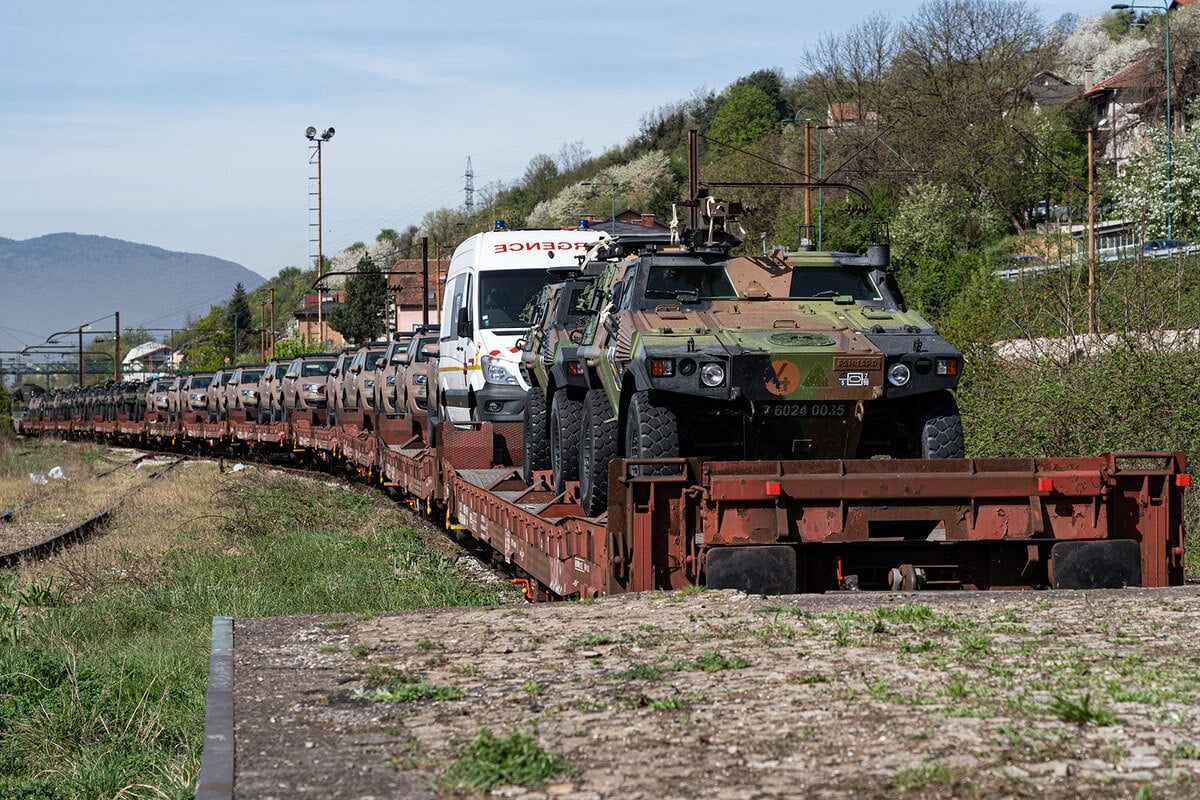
{"x": 516, "y": 759}
{"x": 920, "y": 776}
{"x": 712, "y": 661}
{"x": 1080, "y": 710}
{"x": 639, "y": 672}
{"x": 404, "y": 692}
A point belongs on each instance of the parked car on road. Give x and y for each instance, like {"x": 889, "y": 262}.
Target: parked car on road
{"x": 1155, "y": 248}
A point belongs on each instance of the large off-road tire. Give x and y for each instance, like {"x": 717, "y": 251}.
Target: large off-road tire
{"x": 940, "y": 431}
{"x": 597, "y": 448}
{"x": 536, "y": 434}
{"x": 566, "y": 429}
{"x": 651, "y": 431}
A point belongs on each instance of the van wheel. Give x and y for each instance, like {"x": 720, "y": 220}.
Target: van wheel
{"x": 566, "y": 427}
{"x": 599, "y": 446}
{"x": 537, "y": 443}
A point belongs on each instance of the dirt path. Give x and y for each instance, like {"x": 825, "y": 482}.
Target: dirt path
{"x": 716, "y": 694}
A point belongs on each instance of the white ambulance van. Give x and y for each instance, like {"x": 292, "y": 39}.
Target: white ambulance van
{"x": 492, "y": 277}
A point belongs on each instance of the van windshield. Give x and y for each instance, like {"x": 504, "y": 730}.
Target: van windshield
{"x": 503, "y": 295}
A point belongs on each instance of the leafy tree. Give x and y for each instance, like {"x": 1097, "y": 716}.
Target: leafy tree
{"x": 770, "y": 82}
{"x": 295, "y": 346}
{"x": 746, "y": 114}
{"x": 361, "y": 317}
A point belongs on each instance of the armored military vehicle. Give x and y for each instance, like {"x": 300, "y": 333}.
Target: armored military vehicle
{"x": 693, "y": 352}
{"x": 556, "y": 382}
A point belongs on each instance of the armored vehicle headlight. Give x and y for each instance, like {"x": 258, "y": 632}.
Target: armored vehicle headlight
{"x": 419, "y": 380}
{"x": 662, "y": 367}
{"x": 369, "y": 384}
{"x": 312, "y": 387}
{"x": 947, "y": 366}
{"x": 712, "y": 375}
{"x": 391, "y": 380}
{"x": 898, "y": 375}
{"x": 196, "y": 398}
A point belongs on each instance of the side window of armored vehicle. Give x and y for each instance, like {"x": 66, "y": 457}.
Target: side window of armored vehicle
{"x": 833, "y": 282}
{"x": 457, "y": 297}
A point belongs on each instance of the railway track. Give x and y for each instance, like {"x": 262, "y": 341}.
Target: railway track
{"x": 11, "y": 513}
{"x": 71, "y": 514}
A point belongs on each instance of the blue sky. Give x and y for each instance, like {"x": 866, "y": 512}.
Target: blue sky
{"x": 180, "y": 125}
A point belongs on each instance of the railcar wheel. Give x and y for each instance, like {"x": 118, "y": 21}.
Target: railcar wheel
{"x": 537, "y": 441}
{"x": 651, "y": 431}
{"x": 566, "y": 430}
{"x": 598, "y": 447}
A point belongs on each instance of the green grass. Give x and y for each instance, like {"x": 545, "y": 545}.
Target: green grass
{"x": 517, "y": 760}
{"x": 106, "y": 690}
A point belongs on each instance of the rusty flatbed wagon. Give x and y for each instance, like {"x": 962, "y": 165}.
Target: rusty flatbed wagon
{"x": 771, "y": 526}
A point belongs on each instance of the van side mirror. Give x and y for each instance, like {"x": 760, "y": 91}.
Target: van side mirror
{"x": 463, "y": 328}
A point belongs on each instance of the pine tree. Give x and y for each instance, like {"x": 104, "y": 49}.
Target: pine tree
{"x": 361, "y": 317}
{"x": 238, "y": 319}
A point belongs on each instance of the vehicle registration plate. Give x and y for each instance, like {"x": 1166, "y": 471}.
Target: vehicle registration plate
{"x": 805, "y": 410}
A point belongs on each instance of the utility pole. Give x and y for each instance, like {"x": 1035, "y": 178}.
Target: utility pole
{"x": 262, "y": 330}
{"x": 807, "y": 178}
{"x": 424, "y": 280}
{"x": 272, "y": 334}
{"x": 1091, "y": 192}
{"x": 117, "y": 351}
{"x": 693, "y": 161}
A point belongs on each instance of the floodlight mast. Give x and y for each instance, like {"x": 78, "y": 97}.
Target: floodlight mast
{"x": 310, "y": 133}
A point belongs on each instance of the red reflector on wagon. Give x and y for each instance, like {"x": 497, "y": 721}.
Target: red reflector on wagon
{"x": 1183, "y": 479}
{"x": 774, "y": 489}
{"x": 1045, "y": 484}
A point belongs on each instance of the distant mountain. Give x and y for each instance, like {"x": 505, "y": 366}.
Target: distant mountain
{"x": 59, "y": 281}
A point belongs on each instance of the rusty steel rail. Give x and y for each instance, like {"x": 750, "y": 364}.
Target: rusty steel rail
{"x": 80, "y": 531}
{"x": 12, "y": 512}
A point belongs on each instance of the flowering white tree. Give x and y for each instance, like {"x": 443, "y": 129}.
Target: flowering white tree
{"x": 1091, "y": 47}
{"x": 1141, "y": 193}
{"x": 637, "y": 184}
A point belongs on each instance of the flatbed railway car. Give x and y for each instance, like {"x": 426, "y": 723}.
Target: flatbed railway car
{"x": 762, "y": 526}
